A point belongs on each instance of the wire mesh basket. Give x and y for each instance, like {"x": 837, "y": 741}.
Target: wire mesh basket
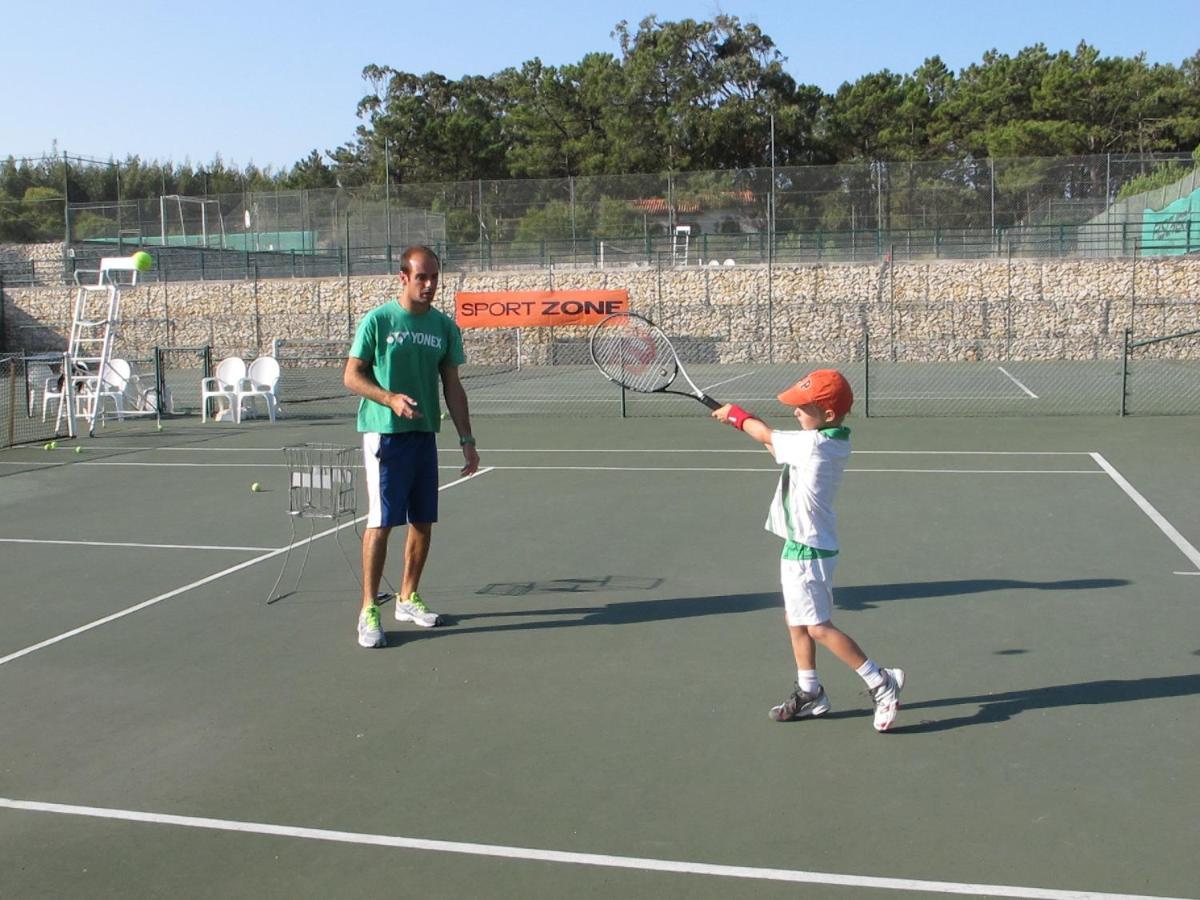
{"x": 320, "y": 486}
{"x": 320, "y": 481}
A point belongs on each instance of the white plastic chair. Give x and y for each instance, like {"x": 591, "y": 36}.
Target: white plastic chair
{"x": 40, "y": 376}
{"x": 54, "y": 389}
{"x": 114, "y": 382}
{"x": 223, "y": 387}
{"x": 260, "y": 381}
{"x": 138, "y": 396}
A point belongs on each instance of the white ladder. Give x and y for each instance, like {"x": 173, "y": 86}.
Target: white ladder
{"x": 93, "y": 328}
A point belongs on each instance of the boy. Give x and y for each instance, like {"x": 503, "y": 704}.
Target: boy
{"x": 813, "y": 460}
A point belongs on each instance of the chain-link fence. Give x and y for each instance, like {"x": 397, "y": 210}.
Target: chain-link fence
{"x": 953, "y": 209}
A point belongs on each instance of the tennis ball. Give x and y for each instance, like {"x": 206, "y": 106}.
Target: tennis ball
{"x": 158, "y": 427}
{"x": 54, "y": 445}
{"x": 256, "y": 487}
{"x": 45, "y": 446}
{"x": 78, "y": 449}
{"x": 443, "y": 415}
{"x": 143, "y": 261}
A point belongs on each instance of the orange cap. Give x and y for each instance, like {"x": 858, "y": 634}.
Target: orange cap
{"x": 828, "y": 388}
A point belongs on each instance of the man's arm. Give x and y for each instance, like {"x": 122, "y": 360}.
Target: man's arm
{"x": 359, "y": 379}
{"x": 456, "y": 405}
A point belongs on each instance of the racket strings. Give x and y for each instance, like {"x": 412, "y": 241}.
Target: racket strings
{"x": 634, "y": 355}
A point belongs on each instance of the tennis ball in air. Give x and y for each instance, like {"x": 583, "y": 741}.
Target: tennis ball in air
{"x": 256, "y": 487}
{"x": 143, "y": 261}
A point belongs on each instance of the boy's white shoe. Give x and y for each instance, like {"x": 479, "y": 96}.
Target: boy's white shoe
{"x": 887, "y": 698}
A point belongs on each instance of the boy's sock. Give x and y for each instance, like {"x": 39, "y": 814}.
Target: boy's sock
{"x": 869, "y": 672}
{"x": 806, "y": 680}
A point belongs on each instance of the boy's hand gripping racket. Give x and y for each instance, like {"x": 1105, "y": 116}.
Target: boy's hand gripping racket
{"x": 635, "y": 353}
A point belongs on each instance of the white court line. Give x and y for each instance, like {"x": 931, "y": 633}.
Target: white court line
{"x": 456, "y": 450}
{"x": 726, "y": 381}
{"x": 775, "y": 470}
{"x": 641, "y": 864}
{"x": 1155, "y": 516}
{"x": 168, "y": 465}
{"x": 136, "y": 546}
{"x": 195, "y": 584}
{"x": 1017, "y": 382}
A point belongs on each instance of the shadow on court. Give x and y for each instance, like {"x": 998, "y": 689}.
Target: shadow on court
{"x": 870, "y": 595}
{"x": 623, "y": 613}
{"x": 995, "y": 708}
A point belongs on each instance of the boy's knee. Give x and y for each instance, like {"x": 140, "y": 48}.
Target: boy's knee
{"x": 821, "y": 631}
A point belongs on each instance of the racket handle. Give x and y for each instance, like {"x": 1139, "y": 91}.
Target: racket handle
{"x": 709, "y": 401}
{"x": 738, "y": 416}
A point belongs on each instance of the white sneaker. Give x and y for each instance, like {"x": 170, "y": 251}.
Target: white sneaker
{"x": 887, "y": 698}
{"x": 414, "y": 610}
{"x": 370, "y": 632}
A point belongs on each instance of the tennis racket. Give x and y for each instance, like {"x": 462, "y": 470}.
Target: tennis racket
{"x": 636, "y": 354}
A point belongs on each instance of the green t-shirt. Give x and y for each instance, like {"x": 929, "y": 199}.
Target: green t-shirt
{"x": 406, "y": 352}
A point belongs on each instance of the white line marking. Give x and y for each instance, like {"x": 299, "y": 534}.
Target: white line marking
{"x": 619, "y": 450}
{"x": 1017, "y": 382}
{"x": 1155, "y": 516}
{"x": 642, "y": 864}
{"x": 775, "y": 471}
{"x": 131, "y": 544}
{"x": 726, "y": 381}
{"x": 167, "y": 465}
{"x": 1186, "y": 573}
{"x": 199, "y": 583}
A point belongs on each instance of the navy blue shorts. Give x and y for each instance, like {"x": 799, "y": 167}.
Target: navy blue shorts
{"x": 401, "y": 478}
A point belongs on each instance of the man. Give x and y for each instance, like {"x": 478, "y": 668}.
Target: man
{"x": 399, "y": 354}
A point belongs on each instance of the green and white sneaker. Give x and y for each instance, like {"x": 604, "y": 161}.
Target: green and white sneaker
{"x": 370, "y": 632}
{"x": 414, "y": 610}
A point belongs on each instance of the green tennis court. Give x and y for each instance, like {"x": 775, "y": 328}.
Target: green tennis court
{"x": 592, "y": 721}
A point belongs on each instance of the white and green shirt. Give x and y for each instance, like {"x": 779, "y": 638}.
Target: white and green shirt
{"x": 406, "y": 352}
{"x": 802, "y": 511}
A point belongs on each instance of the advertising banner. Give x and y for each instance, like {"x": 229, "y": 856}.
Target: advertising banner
{"x": 535, "y": 309}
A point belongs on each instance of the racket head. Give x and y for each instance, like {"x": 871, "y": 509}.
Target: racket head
{"x": 634, "y": 352}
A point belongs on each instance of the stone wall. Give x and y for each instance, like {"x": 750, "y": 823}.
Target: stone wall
{"x": 994, "y": 309}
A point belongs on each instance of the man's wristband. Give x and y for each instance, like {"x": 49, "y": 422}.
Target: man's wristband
{"x": 465, "y": 439}
{"x": 738, "y": 416}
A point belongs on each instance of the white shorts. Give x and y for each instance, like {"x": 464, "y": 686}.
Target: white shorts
{"x": 807, "y": 589}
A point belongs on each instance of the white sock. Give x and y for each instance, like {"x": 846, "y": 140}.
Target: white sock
{"x": 806, "y": 680}
{"x": 869, "y": 672}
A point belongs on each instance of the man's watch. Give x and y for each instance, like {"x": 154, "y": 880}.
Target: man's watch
{"x": 465, "y": 439}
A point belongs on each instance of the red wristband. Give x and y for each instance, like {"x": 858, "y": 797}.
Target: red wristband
{"x": 738, "y": 416}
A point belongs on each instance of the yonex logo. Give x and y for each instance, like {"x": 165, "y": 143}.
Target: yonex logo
{"x": 417, "y": 337}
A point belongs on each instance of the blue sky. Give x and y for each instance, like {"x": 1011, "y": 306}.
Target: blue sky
{"x": 268, "y": 82}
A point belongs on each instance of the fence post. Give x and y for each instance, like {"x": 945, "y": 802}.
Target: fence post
{"x": 866, "y": 368}
{"x": 1125, "y": 372}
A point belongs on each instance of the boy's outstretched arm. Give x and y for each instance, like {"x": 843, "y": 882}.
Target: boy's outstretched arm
{"x": 731, "y": 414}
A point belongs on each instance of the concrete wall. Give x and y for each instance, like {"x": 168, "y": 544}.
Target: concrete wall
{"x": 1056, "y": 309}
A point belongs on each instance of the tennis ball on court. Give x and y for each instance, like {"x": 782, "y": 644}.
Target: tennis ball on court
{"x": 53, "y": 445}
{"x": 78, "y": 449}
{"x": 45, "y": 446}
{"x": 143, "y": 261}
{"x": 443, "y": 415}
{"x": 256, "y": 487}
{"x": 158, "y": 427}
